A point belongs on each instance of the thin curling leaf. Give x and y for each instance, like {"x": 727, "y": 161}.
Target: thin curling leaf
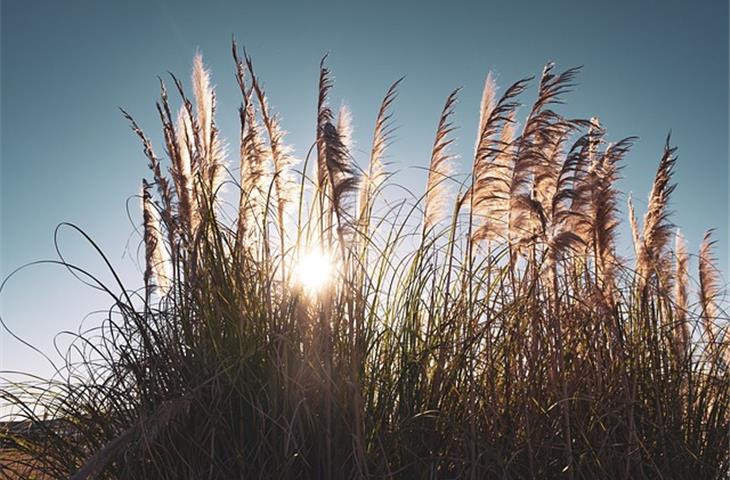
{"x": 439, "y": 166}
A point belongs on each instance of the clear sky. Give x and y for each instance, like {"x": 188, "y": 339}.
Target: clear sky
{"x": 67, "y": 154}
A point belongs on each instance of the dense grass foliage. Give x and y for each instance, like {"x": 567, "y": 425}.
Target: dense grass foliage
{"x": 490, "y": 333}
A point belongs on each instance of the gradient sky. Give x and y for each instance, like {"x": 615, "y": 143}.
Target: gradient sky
{"x": 67, "y": 154}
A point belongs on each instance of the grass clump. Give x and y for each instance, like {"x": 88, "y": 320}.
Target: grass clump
{"x": 312, "y": 328}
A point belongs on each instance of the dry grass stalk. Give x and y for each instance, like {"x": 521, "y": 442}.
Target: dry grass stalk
{"x": 681, "y": 306}
{"x": 155, "y": 255}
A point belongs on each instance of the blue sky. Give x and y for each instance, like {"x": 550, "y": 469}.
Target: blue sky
{"x": 67, "y": 154}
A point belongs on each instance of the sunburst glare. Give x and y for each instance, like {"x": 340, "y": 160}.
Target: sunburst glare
{"x": 314, "y": 270}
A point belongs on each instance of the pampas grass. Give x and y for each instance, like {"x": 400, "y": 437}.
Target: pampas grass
{"x": 681, "y": 296}
{"x": 653, "y": 259}
{"x": 321, "y": 329}
{"x": 376, "y": 174}
{"x": 708, "y": 288}
{"x": 439, "y": 168}
{"x": 155, "y": 255}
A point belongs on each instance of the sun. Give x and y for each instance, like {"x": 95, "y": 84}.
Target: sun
{"x": 314, "y": 270}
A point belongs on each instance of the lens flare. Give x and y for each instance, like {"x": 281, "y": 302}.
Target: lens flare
{"x": 314, "y": 271}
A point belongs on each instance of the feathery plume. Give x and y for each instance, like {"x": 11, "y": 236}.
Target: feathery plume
{"x": 336, "y": 176}
{"x": 203, "y": 101}
{"x": 524, "y": 210}
{"x": 595, "y": 135}
{"x": 344, "y": 127}
{"x": 565, "y": 221}
{"x": 163, "y": 185}
{"x": 572, "y": 206}
{"x": 605, "y": 210}
{"x": 657, "y": 227}
{"x": 155, "y": 265}
{"x": 342, "y": 175}
{"x": 708, "y": 286}
{"x": 253, "y": 152}
{"x": 492, "y": 194}
{"x": 253, "y": 177}
{"x": 192, "y": 149}
{"x": 439, "y": 166}
{"x": 548, "y": 168}
{"x": 281, "y": 154}
{"x": 492, "y": 168}
{"x": 184, "y": 135}
{"x": 322, "y": 210}
{"x": 211, "y": 152}
{"x": 324, "y": 116}
{"x": 375, "y": 175}
{"x": 182, "y": 171}
{"x": 486, "y": 107}
{"x": 173, "y": 150}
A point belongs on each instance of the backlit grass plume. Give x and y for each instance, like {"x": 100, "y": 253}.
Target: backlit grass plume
{"x": 652, "y": 260}
{"x": 439, "y": 168}
{"x": 375, "y": 173}
{"x": 305, "y": 322}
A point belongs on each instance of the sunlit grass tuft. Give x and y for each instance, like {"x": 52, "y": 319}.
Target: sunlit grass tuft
{"x": 486, "y": 327}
